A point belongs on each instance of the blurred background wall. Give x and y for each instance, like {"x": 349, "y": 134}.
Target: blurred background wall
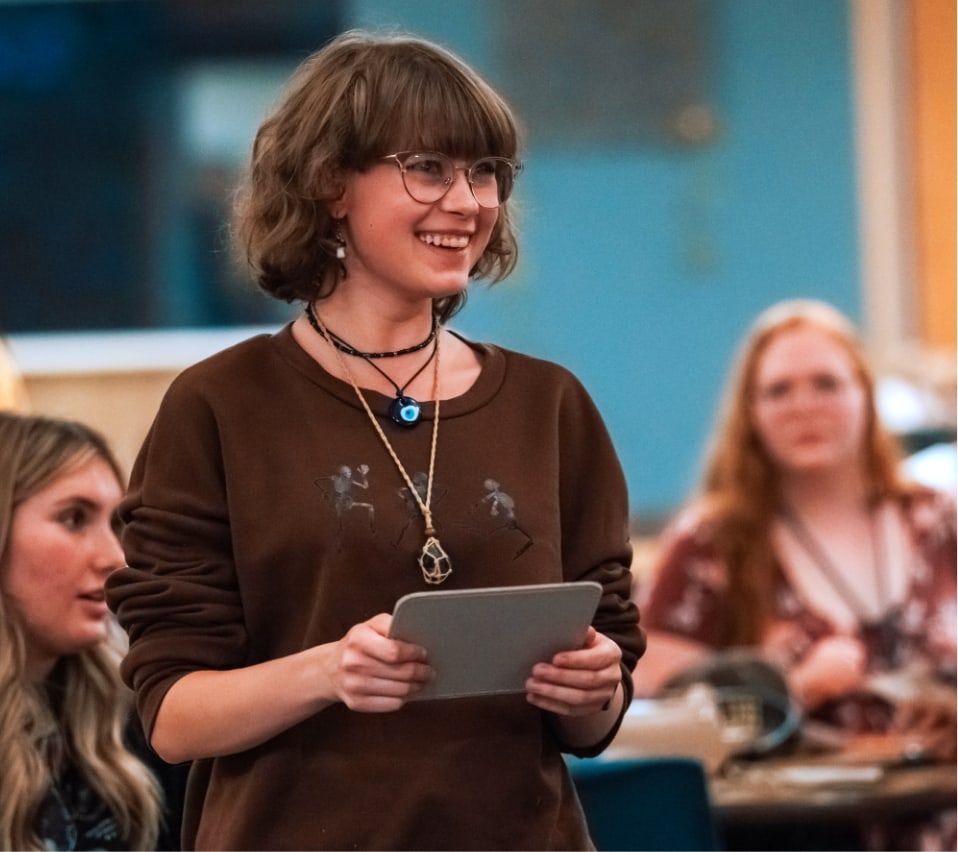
{"x": 688, "y": 162}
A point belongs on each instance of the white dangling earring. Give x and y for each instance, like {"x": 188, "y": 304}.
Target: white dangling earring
{"x": 340, "y": 244}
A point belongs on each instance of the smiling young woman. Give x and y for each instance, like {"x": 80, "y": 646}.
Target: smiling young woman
{"x": 295, "y": 487}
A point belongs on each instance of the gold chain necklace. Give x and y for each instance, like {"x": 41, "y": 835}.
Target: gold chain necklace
{"x": 434, "y": 562}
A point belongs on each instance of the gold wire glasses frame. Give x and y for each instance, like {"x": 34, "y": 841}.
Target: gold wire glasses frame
{"x": 428, "y": 176}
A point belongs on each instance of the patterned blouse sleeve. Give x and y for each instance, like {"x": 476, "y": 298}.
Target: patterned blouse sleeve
{"x": 689, "y": 582}
{"x": 932, "y": 517}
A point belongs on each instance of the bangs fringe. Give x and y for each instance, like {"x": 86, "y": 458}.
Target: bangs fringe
{"x": 416, "y": 104}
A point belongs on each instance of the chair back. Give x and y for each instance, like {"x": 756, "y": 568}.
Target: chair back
{"x": 647, "y": 803}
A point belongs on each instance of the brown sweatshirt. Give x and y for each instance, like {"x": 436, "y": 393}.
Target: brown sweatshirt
{"x": 265, "y": 516}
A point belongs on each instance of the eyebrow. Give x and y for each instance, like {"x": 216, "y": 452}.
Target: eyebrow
{"x": 79, "y": 500}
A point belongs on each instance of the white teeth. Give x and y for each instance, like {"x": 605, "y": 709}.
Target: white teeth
{"x": 445, "y": 240}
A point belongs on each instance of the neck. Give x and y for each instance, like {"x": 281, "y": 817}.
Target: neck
{"x": 823, "y": 493}
{"x": 374, "y": 327}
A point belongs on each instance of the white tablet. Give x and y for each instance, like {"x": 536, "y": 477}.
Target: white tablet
{"x": 486, "y": 641}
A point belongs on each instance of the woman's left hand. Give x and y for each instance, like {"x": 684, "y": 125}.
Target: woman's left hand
{"x": 578, "y": 683}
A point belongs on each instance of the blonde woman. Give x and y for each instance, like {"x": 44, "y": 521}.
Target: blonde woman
{"x": 68, "y": 780}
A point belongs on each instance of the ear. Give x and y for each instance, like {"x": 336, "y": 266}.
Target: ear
{"x": 327, "y": 184}
{"x": 339, "y": 206}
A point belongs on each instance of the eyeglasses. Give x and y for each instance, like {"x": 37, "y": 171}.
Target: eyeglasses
{"x": 822, "y": 387}
{"x": 428, "y": 176}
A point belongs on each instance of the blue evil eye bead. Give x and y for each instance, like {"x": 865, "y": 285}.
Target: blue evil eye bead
{"x": 405, "y": 411}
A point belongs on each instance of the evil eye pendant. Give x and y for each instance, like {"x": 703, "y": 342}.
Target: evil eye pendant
{"x": 405, "y": 411}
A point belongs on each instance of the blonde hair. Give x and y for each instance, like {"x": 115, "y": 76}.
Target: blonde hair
{"x": 88, "y": 724}
{"x": 740, "y": 489}
{"x": 356, "y": 100}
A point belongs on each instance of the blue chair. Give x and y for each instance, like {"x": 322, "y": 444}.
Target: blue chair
{"x": 648, "y": 803}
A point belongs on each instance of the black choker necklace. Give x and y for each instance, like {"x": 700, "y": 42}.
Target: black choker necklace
{"x": 403, "y": 410}
{"x": 343, "y": 346}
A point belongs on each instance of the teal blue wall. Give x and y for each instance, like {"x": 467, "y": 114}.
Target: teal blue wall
{"x": 641, "y": 268}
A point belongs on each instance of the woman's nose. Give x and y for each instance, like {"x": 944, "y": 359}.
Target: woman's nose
{"x": 459, "y": 195}
{"x": 109, "y": 553}
{"x": 808, "y": 397}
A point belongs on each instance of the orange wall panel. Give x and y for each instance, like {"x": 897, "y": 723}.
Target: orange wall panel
{"x": 933, "y": 45}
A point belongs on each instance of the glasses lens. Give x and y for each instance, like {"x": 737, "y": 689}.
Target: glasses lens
{"x": 427, "y": 176}
{"x": 490, "y": 181}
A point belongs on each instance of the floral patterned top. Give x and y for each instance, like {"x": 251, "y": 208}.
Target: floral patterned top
{"x": 690, "y": 587}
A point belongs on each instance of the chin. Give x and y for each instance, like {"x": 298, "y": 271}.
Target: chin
{"x": 816, "y": 465}
{"x": 87, "y": 639}
{"x": 453, "y": 288}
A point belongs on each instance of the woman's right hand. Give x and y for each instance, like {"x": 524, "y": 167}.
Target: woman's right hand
{"x": 371, "y": 673}
{"x": 832, "y": 667}
{"x": 208, "y": 713}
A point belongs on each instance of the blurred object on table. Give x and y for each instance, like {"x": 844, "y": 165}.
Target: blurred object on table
{"x": 749, "y": 691}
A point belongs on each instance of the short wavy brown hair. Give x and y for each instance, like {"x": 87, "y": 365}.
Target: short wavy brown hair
{"x": 360, "y": 97}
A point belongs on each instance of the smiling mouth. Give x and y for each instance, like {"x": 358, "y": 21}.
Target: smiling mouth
{"x": 453, "y": 241}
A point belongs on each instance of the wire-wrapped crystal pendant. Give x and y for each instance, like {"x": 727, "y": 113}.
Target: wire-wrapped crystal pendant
{"x": 434, "y": 562}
